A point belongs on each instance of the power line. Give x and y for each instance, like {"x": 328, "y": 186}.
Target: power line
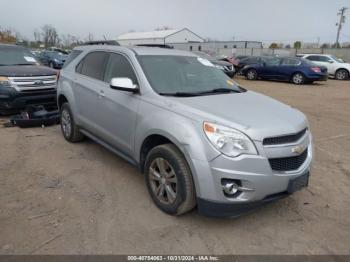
{"x": 340, "y": 24}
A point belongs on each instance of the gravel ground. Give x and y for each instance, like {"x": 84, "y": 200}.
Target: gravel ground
{"x": 60, "y": 198}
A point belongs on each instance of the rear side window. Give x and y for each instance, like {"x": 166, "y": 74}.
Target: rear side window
{"x": 119, "y": 66}
{"x": 313, "y": 58}
{"x": 251, "y": 60}
{"x": 93, "y": 65}
{"x": 74, "y": 54}
{"x": 290, "y": 62}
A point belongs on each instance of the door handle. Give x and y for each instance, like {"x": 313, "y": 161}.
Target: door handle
{"x": 102, "y": 94}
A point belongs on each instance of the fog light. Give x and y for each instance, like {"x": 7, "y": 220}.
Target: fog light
{"x": 230, "y": 187}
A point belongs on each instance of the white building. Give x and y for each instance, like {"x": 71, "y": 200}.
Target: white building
{"x": 161, "y": 37}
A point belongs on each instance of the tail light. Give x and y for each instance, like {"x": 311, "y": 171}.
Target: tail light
{"x": 316, "y": 69}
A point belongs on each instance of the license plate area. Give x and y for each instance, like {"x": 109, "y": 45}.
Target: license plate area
{"x": 298, "y": 183}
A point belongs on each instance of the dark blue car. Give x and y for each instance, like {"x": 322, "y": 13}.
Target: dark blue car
{"x": 53, "y": 59}
{"x": 292, "y": 69}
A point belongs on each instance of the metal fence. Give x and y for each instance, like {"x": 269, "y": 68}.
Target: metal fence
{"x": 343, "y": 53}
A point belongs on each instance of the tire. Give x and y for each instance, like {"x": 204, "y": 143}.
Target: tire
{"x": 252, "y": 74}
{"x": 169, "y": 180}
{"x": 298, "y": 79}
{"x": 342, "y": 74}
{"x": 69, "y": 129}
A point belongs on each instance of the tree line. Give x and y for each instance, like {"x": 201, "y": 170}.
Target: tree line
{"x": 45, "y": 37}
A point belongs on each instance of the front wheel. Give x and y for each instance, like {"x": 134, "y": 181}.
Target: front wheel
{"x": 252, "y": 74}
{"x": 169, "y": 180}
{"x": 298, "y": 79}
{"x": 342, "y": 74}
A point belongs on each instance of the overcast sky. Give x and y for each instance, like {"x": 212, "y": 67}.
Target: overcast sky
{"x": 262, "y": 20}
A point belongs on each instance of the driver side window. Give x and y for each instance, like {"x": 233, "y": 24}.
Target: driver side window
{"x": 119, "y": 66}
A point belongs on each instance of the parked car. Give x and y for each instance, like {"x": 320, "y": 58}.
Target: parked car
{"x": 198, "y": 137}
{"x": 247, "y": 61}
{"x": 230, "y": 60}
{"x": 241, "y": 57}
{"x": 23, "y": 81}
{"x": 225, "y": 67}
{"x": 337, "y": 68}
{"x": 296, "y": 70}
{"x": 52, "y": 59}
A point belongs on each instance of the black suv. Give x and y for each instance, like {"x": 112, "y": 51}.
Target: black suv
{"x": 23, "y": 81}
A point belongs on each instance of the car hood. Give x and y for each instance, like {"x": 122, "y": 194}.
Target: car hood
{"x": 27, "y": 70}
{"x": 256, "y": 115}
{"x": 221, "y": 63}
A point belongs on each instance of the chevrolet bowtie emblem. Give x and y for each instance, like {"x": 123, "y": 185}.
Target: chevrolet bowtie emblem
{"x": 298, "y": 149}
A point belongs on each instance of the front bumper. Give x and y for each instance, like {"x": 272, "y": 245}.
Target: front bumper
{"x": 219, "y": 209}
{"x": 230, "y": 73}
{"x": 254, "y": 172}
{"x": 13, "y": 101}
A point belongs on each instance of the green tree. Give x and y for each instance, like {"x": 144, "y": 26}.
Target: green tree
{"x": 297, "y": 45}
{"x": 273, "y": 46}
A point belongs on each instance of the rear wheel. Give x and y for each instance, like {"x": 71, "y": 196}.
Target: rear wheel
{"x": 69, "y": 129}
{"x": 252, "y": 74}
{"x": 298, "y": 79}
{"x": 342, "y": 74}
{"x": 169, "y": 180}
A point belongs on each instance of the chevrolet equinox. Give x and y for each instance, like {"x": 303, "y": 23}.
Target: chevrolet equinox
{"x": 199, "y": 138}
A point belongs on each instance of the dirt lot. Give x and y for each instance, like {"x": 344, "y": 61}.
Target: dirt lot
{"x": 59, "y": 198}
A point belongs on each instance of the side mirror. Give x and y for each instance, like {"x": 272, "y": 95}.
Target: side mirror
{"x": 123, "y": 84}
{"x": 330, "y": 61}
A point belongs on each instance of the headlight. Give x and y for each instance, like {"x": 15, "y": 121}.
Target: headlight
{"x": 4, "y": 82}
{"x": 229, "y": 141}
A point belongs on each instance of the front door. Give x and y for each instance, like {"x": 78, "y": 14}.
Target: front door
{"x": 119, "y": 107}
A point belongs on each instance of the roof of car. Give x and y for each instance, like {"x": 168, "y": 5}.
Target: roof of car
{"x": 314, "y": 54}
{"x": 139, "y": 50}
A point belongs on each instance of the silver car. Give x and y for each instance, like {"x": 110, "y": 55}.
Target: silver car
{"x": 197, "y": 136}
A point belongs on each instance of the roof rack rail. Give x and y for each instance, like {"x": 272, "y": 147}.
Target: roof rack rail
{"x": 102, "y": 42}
{"x": 156, "y": 45}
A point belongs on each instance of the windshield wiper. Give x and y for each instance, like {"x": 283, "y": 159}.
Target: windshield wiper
{"x": 202, "y": 93}
{"x": 221, "y": 90}
{"x": 181, "y": 94}
{"x": 22, "y": 64}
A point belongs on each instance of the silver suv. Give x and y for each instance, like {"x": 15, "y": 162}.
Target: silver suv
{"x": 199, "y": 138}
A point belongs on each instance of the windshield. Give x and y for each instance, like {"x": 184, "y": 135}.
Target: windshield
{"x": 184, "y": 74}
{"x": 337, "y": 59}
{"x": 16, "y": 56}
{"x": 57, "y": 55}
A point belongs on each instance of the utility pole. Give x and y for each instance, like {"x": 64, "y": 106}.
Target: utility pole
{"x": 340, "y": 24}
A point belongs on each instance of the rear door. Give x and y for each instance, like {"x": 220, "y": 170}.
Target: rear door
{"x": 87, "y": 90}
{"x": 288, "y": 67}
{"x": 271, "y": 68}
{"x": 321, "y": 61}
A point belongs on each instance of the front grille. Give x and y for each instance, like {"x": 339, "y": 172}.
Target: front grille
{"x": 288, "y": 163}
{"x": 286, "y": 139}
{"x": 33, "y": 83}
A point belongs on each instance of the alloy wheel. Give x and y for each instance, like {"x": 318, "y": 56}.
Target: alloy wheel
{"x": 66, "y": 123}
{"x": 298, "y": 79}
{"x": 251, "y": 75}
{"x": 163, "y": 181}
{"x": 341, "y": 75}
